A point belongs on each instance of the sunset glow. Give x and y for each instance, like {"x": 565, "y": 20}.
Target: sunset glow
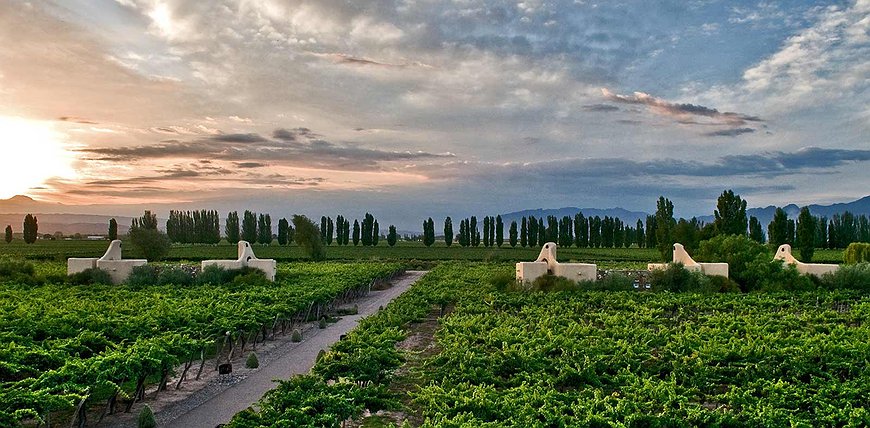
{"x": 33, "y": 152}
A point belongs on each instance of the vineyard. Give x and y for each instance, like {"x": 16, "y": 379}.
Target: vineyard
{"x": 64, "y": 347}
{"x": 632, "y": 359}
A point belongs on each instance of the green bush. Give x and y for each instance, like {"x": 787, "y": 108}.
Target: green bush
{"x": 214, "y": 275}
{"x": 857, "y": 252}
{"x": 246, "y": 276}
{"x": 677, "y": 278}
{"x": 774, "y": 275}
{"x": 91, "y": 276}
{"x": 250, "y": 277}
{"x": 548, "y": 283}
{"x": 151, "y": 243}
{"x": 142, "y": 276}
{"x": 322, "y": 323}
{"x": 252, "y": 362}
{"x": 174, "y": 276}
{"x": 297, "y": 336}
{"x": 743, "y": 256}
{"x": 612, "y": 282}
{"x": 18, "y": 271}
{"x": 146, "y": 418}
{"x": 854, "y": 277}
{"x": 503, "y": 281}
{"x": 723, "y": 284}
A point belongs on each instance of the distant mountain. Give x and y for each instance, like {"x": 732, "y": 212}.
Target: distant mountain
{"x": 52, "y": 218}
{"x": 629, "y": 217}
{"x": 765, "y": 215}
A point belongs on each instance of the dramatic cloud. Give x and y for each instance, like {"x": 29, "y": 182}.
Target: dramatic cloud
{"x": 730, "y": 132}
{"x": 681, "y": 112}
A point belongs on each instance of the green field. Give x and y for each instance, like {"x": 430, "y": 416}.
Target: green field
{"x": 624, "y": 359}
{"x": 608, "y": 258}
{"x": 60, "y": 343}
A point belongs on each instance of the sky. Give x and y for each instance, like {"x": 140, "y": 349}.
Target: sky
{"x": 409, "y": 109}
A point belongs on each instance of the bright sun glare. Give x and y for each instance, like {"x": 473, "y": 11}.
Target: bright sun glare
{"x": 33, "y": 152}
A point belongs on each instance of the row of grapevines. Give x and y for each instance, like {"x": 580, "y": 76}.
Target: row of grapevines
{"x": 595, "y": 359}
{"x": 59, "y": 343}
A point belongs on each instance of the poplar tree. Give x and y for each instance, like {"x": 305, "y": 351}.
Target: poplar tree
{"x": 376, "y": 234}
{"x": 473, "y": 233}
{"x": 283, "y": 225}
{"x": 428, "y": 232}
{"x": 249, "y": 227}
{"x": 448, "y": 231}
{"x": 113, "y": 229}
{"x": 542, "y": 233}
{"x": 756, "y": 233}
{"x": 264, "y": 229}
{"x": 486, "y": 226}
{"x": 499, "y": 231}
{"x": 513, "y": 234}
{"x": 31, "y": 228}
{"x": 323, "y": 228}
{"x": 8, "y": 233}
{"x": 232, "y": 228}
{"x": 806, "y": 234}
{"x": 392, "y": 236}
{"x": 639, "y": 235}
{"x": 730, "y": 214}
{"x": 665, "y": 224}
{"x": 524, "y": 233}
{"x": 533, "y": 231}
{"x": 329, "y": 229}
{"x": 356, "y": 232}
{"x": 822, "y": 232}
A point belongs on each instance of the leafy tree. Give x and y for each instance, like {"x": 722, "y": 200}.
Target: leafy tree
{"x": 581, "y": 230}
{"x": 687, "y": 233}
{"x": 428, "y": 232}
{"x": 8, "y": 233}
{"x": 264, "y": 229}
{"x": 806, "y": 234}
{"x": 650, "y": 232}
{"x": 777, "y": 230}
{"x": 151, "y": 243}
{"x": 756, "y": 233}
{"x": 542, "y": 233}
{"x": 486, "y": 227}
{"x": 323, "y": 228}
{"x": 356, "y": 233}
{"x": 513, "y": 234}
{"x": 822, "y": 232}
{"x": 392, "y": 236}
{"x": 249, "y": 227}
{"x": 639, "y": 235}
{"x": 448, "y": 231}
{"x": 665, "y": 224}
{"x": 31, "y": 228}
{"x": 113, "y": 229}
{"x": 473, "y": 233}
{"x": 524, "y": 233}
{"x": 307, "y": 236}
{"x": 283, "y": 232}
{"x": 231, "y": 229}
{"x": 330, "y": 226}
{"x": 376, "y": 233}
{"x": 790, "y": 232}
{"x": 462, "y": 237}
{"x": 499, "y": 231}
{"x": 730, "y": 214}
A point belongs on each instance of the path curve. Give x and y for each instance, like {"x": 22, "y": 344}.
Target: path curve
{"x": 298, "y": 359}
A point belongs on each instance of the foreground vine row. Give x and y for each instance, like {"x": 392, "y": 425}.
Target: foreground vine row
{"x": 593, "y": 359}
{"x": 64, "y": 346}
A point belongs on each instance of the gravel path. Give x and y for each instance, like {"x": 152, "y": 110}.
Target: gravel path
{"x": 217, "y": 402}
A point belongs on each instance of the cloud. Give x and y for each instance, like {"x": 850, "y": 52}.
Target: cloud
{"x": 298, "y": 148}
{"x": 682, "y": 112}
{"x": 730, "y": 132}
{"x": 601, "y": 107}
{"x": 247, "y": 165}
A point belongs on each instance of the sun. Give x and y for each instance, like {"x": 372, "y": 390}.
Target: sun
{"x": 33, "y": 152}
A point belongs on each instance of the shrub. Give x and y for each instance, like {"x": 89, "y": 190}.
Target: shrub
{"x": 18, "y": 271}
{"x": 297, "y": 336}
{"x": 503, "y": 281}
{"x": 612, "y": 282}
{"x": 91, "y": 276}
{"x": 151, "y": 243}
{"x": 677, "y": 278}
{"x": 249, "y": 277}
{"x": 142, "y": 276}
{"x": 146, "y": 418}
{"x": 774, "y": 275}
{"x": 857, "y": 252}
{"x": 723, "y": 284}
{"x": 214, "y": 275}
{"x": 174, "y": 276}
{"x": 549, "y": 283}
{"x": 322, "y": 324}
{"x": 742, "y": 254}
{"x": 854, "y": 277}
{"x": 252, "y": 362}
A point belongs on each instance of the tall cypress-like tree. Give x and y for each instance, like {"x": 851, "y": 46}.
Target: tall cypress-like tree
{"x": 31, "y": 228}
{"x": 473, "y": 233}
{"x": 392, "y": 236}
{"x": 499, "y": 231}
{"x": 461, "y": 237}
{"x": 650, "y": 232}
{"x": 264, "y": 229}
{"x": 113, "y": 229}
{"x": 806, "y": 234}
{"x": 777, "y": 230}
{"x": 524, "y": 233}
{"x": 428, "y": 232}
{"x": 514, "y": 234}
{"x": 283, "y": 233}
{"x": 8, "y": 233}
{"x": 533, "y": 231}
{"x": 448, "y": 231}
{"x": 376, "y": 233}
{"x": 542, "y": 233}
{"x": 356, "y": 233}
{"x": 339, "y": 230}
{"x": 665, "y": 224}
{"x": 790, "y": 232}
{"x": 486, "y": 226}
{"x": 323, "y": 229}
{"x": 232, "y": 228}
{"x": 639, "y": 235}
{"x": 249, "y": 227}
{"x": 730, "y": 214}
{"x": 579, "y": 221}
{"x": 329, "y": 229}
{"x": 756, "y": 233}
{"x": 822, "y": 232}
